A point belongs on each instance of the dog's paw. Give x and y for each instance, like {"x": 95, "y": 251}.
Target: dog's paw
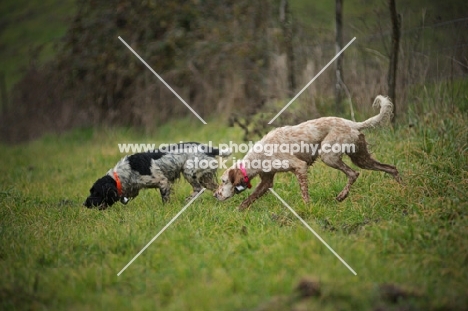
{"x": 242, "y": 207}
{"x": 343, "y": 195}
{"x": 398, "y": 179}
{"x": 187, "y": 199}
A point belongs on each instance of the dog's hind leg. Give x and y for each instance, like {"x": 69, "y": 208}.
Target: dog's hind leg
{"x": 334, "y": 160}
{"x": 165, "y": 194}
{"x": 165, "y": 190}
{"x": 362, "y": 158}
{"x": 265, "y": 183}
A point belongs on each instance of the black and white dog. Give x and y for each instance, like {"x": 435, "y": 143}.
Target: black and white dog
{"x": 157, "y": 169}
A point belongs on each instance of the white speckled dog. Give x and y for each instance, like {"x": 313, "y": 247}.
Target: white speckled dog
{"x": 320, "y": 132}
{"x": 157, "y": 169}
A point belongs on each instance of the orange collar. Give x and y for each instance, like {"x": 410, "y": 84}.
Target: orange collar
{"x": 119, "y": 184}
{"x": 246, "y": 177}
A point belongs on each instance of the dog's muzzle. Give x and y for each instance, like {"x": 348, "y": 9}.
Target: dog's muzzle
{"x": 219, "y": 197}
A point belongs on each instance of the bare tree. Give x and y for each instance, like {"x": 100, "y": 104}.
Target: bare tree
{"x": 339, "y": 61}
{"x": 3, "y": 92}
{"x": 286, "y": 23}
{"x": 392, "y": 70}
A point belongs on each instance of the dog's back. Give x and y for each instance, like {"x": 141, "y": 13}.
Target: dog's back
{"x": 141, "y": 162}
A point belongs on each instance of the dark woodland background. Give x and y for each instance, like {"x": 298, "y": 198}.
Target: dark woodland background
{"x": 232, "y": 60}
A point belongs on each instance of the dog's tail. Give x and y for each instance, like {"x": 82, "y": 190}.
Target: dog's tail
{"x": 195, "y": 147}
{"x": 225, "y": 152}
{"x": 385, "y": 115}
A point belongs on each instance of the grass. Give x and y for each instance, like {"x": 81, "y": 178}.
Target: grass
{"x": 55, "y": 254}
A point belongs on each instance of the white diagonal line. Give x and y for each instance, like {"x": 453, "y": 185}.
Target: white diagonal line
{"x": 312, "y": 230}
{"x": 162, "y": 80}
{"x": 160, "y": 232}
{"x": 313, "y": 79}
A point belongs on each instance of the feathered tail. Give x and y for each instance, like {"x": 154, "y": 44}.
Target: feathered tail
{"x": 223, "y": 152}
{"x": 385, "y": 115}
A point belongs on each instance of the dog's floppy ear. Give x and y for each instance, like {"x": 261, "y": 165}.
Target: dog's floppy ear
{"x": 235, "y": 176}
{"x": 110, "y": 194}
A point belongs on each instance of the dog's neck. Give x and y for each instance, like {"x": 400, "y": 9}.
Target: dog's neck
{"x": 247, "y": 169}
{"x": 118, "y": 182}
{"x": 245, "y": 175}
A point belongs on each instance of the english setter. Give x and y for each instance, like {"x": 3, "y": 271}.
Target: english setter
{"x": 323, "y": 131}
{"x": 157, "y": 169}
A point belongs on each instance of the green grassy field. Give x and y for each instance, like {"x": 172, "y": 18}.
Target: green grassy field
{"x": 407, "y": 243}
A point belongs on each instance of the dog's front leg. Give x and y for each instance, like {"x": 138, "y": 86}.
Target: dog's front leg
{"x": 300, "y": 170}
{"x": 196, "y": 186}
{"x": 262, "y": 188}
{"x": 165, "y": 190}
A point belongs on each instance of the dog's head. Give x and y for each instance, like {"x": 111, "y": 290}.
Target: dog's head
{"x": 232, "y": 182}
{"x": 103, "y": 193}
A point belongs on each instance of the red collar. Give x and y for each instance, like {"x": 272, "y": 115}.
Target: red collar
{"x": 246, "y": 177}
{"x": 119, "y": 184}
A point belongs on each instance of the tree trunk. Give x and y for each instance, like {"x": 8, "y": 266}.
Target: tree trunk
{"x": 339, "y": 61}
{"x": 3, "y": 93}
{"x": 286, "y": 23}
{"x": 392, "y": 70}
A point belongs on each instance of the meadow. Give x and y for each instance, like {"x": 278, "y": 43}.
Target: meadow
{"x": 407, "y": 242}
